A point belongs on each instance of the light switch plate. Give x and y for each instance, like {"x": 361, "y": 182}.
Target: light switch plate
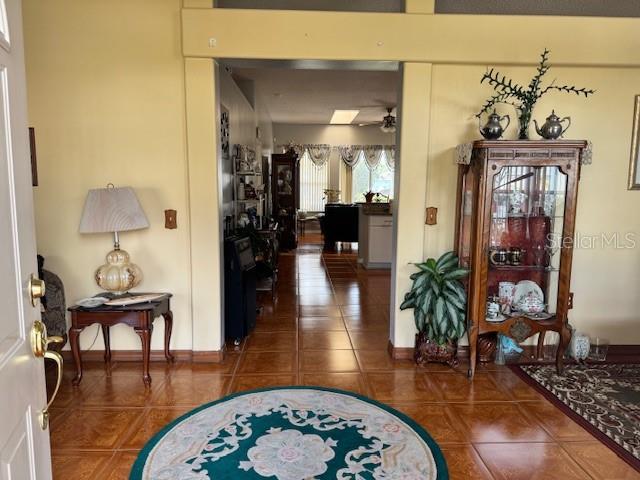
{"x": 170, "y": 219}
{"x": 432, "y": 216}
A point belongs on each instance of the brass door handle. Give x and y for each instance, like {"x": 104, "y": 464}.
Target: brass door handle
{"x": 39, "y": 344}
{"x": 44, "y": 415}
{"x": 37, "y": 289}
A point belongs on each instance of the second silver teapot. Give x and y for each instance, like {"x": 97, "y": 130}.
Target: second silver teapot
{"x": 553, "y": 128}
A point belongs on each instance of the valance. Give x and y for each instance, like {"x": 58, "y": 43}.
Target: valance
{"x": 372, "y": 155}
{"x": 349, "y": 154}
{"x": 319, "y": 153}
{"x": 390, "y": 155}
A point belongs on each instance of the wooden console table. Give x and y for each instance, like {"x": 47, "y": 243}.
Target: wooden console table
{"x": 140, "y": 316}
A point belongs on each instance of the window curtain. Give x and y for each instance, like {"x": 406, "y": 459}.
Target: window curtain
{"x": 314, "y": 179}
{"x": 346, "y": 180}
{"x": 390, "y": 156}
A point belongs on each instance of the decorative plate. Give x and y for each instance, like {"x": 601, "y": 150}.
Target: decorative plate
{"x": 538, "y": 316}
{"x": 499, "y": 319}
{"x": 92, "y": 302}
{"x": 526, "y": 287}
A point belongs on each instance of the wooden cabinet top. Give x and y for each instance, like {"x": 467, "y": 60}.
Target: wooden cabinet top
{"x": 550, "y": 144}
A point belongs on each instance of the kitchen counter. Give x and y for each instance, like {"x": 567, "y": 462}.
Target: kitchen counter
{"x": 375, "y": 208}
{"x": 375, "y": 235}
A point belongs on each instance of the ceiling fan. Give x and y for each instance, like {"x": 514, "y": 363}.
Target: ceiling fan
{"x": 387, "y": 124}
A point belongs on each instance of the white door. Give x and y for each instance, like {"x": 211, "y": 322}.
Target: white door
{"x": 24, "y": 444}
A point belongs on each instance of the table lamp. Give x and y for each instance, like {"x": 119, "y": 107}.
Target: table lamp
{"x": 114, "y": 210}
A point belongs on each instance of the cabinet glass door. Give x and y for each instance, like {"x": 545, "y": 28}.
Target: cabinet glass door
{"x": 467, "y": 215}
{"x": 526, "y": 231}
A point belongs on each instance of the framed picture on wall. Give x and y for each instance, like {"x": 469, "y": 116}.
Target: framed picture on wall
{"x": 224, "y": 132}
{"x": 634, "y": 167}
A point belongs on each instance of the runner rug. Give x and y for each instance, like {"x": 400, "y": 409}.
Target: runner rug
{"x": 603, "y": 398}
{"x": 292, "y": 433}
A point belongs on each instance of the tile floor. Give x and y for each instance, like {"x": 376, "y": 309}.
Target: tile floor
{"x": 329, "y": 326}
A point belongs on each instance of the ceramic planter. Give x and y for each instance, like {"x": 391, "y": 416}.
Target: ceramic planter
{"x": 428, "y": 351}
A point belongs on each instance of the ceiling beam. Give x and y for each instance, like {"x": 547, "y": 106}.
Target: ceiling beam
{"x": 444, "y": 39}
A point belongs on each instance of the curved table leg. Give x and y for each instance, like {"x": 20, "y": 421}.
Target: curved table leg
{"x": 74, "y": 340}
{"x": 107, "y": 342}
{"x": 168, "y": 327}
{"x": 145, "y": 337}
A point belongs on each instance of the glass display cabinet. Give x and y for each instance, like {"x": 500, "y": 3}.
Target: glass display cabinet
{"x": 515, "y": 229}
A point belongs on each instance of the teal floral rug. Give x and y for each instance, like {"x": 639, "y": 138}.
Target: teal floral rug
{"x": 292, "y": 433}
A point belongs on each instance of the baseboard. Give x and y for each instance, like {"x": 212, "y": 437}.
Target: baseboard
{"x": 616, "y": 352}
{"x": 216, "y": 356}
{"x": 400, "y": 353}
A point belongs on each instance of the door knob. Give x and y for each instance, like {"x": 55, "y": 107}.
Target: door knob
{"x": 39, "y": 344}
{"x": 37, "y": 289}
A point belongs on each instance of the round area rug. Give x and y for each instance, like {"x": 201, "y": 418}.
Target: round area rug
{"x": 292, "y": 433}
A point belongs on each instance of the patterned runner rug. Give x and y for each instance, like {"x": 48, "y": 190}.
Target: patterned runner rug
{"x": 603, "y": 398}
{"x": 292, "y": 433}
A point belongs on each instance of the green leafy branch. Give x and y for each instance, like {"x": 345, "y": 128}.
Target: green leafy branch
{"x": 524, "y": 99}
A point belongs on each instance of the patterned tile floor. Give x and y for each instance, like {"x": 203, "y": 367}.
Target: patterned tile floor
{"x": 328, "y": 326}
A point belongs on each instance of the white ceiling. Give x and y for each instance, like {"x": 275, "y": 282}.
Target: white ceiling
{"x": 310, "y": 96}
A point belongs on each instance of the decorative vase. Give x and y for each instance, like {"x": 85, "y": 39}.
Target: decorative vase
{"x": 487, "y": 344}
{"x": 368, "y": 197}
{"x": 524, "y": 119}
{"x": 428, "y": 351}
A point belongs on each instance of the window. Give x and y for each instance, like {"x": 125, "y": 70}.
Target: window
{"x": 313, "y": 181}
{"x": 378, "y": 179}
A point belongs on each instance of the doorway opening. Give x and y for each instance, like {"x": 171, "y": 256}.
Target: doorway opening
{"x": 308, "y": 175}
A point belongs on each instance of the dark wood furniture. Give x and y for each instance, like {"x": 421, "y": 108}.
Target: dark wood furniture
{"x": 519, "y": 194}
{"x": 268, "y": 265}
{"x": 140, "y": 316}
{"x": 339, "y": 224}
{"x": 285, "y": 196}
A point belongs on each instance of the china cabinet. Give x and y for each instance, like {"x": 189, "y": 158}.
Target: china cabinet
{"x": 515, "y": 229}
{"x": 285, "y": 196}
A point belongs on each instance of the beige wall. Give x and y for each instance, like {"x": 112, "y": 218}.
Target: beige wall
{"x": 106, "y": 96}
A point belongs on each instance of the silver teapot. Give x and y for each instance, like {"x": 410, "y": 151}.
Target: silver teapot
{"x": 493, "y": 129}
{"x": 553, "y": 128}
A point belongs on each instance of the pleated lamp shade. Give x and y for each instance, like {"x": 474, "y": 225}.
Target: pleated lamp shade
{"x": 112, "y": 210}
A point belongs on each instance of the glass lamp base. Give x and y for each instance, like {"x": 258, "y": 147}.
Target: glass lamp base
{"x": 118, "y": 275}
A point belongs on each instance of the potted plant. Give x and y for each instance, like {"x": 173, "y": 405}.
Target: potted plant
{"x": 368, "y": 196}
{"x": 439, "y": 302}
